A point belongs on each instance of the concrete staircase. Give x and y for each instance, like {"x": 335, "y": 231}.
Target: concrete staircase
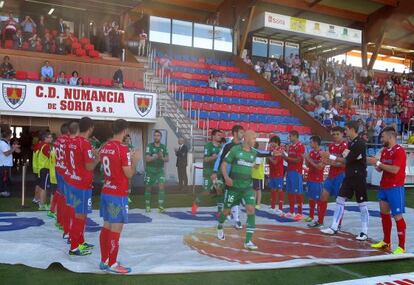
{"x": 176, "y": 117}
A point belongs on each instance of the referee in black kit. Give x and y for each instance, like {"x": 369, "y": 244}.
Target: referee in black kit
{"x": 354, "y": 181}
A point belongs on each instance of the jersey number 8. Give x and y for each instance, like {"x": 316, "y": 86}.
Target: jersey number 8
{"x": 105, "y": 163}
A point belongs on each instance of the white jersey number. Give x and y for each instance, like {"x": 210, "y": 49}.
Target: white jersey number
{"x": 105, "y": 163}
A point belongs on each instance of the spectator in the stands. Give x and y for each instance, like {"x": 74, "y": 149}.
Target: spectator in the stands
{"x": 106, "y": 29}
{"x": 46, "y": 72}
{"x": 60, "y": 42}
{"x": 257, "y": 67}
{"x": 142, "y": 43}
{"x": 247, "y": 60}
{"x": 319, "y": 112}
{"x": 18, "y": 40}
{"x": 332, "y": 113}
{"x": 61, "y": 28}
{"x": 212, "y": 83}
{"x": 73, "y": 80}
{"x": 41, "y": 27}
{"x": 69, "y": 40}
{"x": 118, "y": 78}
{"x": 405, "y": 117}
{"x": 289, "y": 62}
{"x": 28, "y": 27}
{"x": 115, "y": 39}
{"x": 295, "y": 72}
{"x": 370, "y": 132}
{"x": 377, "y": 131}
{"x": 267, "y": 70}
{"x": 80, "y": 82}
{"x": 296, "y": 60}
{"x": 6, "y": 68}
{"x": 48, "y": 44}
{"x": 33, "y": 42}
{"x": 339, "y": 89}
{"x": 361, "y": 126}
{"x": 166, "y": 64}
{"x": 61, "y": 79}
{"x": 364, "y": 75}
{"x": 10, "y": 27}
{"x": 222, "y": 82}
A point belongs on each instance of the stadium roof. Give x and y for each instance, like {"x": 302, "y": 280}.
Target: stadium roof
{"x": 396, "y": 17}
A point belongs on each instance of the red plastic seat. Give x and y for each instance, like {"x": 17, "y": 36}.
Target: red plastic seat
{"x": 106, "y": 82}
{"x": 129, "y": 84}
{"x": 213, "y": 124}
{"x": 139, "y": 84}
{"x": 75, "y": 47}
{"x": 94, "y": 81}
{"x": 25, "y": 46}
{"x": 21, "y": 75}
{"x": 33, "y": 75}
{"x": 89, "y": 47}
{"x": 8, "y": 44}
{"x": 226, "y": 125}
{"x": 84, "y": 41}
{"x": 94, "y": 54}
{"x": 80, "y": 52}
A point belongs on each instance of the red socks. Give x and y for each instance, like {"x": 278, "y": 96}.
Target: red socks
{"x": 76, "y": 232}
{"x": 273, "y": 195}
{"x": 104, "y": 241}
{"x": 401, "y": 232}
{"x": 312, "y": 204}
{"x": 66, "y": 219}
{"x": 277, "y": 196}
{"x": 291, "y": 198}
{"x": 281, "y": 200}
{"x": 299, "y": 201}
{"x": 386, "y": 227}
{"x": 114, "y": 247}
{"x": 322, "y": 205}
{"x": 53, "y": 203}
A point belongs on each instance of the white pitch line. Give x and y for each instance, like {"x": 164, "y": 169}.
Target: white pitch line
{"x": 316, "y": 245}
{"x": 347, "y": 271}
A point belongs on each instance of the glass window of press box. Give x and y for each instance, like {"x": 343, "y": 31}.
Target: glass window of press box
{"x": 160, "y": 30}
{"x": 223, "y": 39}
{"x": 203, "y": 36}
{"x": 182, "y": 33}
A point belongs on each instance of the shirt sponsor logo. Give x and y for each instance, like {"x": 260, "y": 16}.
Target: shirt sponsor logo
{"x": 244, "y": 163}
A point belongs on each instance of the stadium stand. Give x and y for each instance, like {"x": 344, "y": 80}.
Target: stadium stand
{"x": 242, "y": 102}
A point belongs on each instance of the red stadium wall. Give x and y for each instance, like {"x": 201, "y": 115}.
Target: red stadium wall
{"x": 32, "y": 61}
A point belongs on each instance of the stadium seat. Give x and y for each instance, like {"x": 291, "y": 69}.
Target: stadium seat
{"x": 94, "y": 81}
{"x": 21, "y": 75}
{"x": 8, "y": 44}
{"x": 33, "y": 76}
{"x": 106, "y": 82}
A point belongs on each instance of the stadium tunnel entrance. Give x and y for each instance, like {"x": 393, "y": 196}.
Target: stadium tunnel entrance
{"x": 27, "y": 130}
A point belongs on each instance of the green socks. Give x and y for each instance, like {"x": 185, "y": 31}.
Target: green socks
{"x": 220, "y": 203}
{"x": 251, "y": 225}
{"x": 161, "y": 198}
{"x": 147, "y": 197}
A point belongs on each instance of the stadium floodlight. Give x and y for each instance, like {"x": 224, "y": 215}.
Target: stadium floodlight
{"x": 51, "y": 11}
{"x": 1, "y": 4}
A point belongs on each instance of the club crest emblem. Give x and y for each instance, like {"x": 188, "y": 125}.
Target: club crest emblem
{"x": 14, "y": 94}
{"x": 143, "y": 104}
